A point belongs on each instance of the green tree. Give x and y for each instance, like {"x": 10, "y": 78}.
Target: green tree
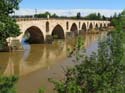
{"x": 99, "y": 16}
{"x": 42, "y": 15}
{"x": 103, "y": 17}
{"x": 92, "y": 16}
{"x": 118, "y": 21}
{"x": 8, "y": 26}
{"x": 8, "y": 6}
{"x": 78, "y": 15}
{"x": 54, "y": 15}
{"x": 102, "y": 72}
{"x": 7, "y": 84}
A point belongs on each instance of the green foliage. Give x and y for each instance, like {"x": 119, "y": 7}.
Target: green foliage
{"x": 42, "y": 15}
{"x": 104, "y": 18}
{"x": 8, "y": 26}
{"x": 78, "y": 15}
{"x": 41, "y": 90}
{"x": 94, "y": 16}
{"x": 7, "y": 84}
{"x": 118, "y": 20}
{"x": 8, "y": 6}
{"x": 102, "y": 72}
{"x": 54, "y": 15}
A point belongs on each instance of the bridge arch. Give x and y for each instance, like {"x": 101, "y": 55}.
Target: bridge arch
{"x": 105, "y": 25}
{"x": 35, "y": 35}
{"x": 96, "y": 26}
{"x": 58, "y": 32}
{"x": 91, "y": 26}
{"x": 74, "y": 29}
{"x": 84, "y": 27}
{"x": 101, "y": 25}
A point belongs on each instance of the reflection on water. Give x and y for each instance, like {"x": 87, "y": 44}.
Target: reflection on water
{"x": 27, "y": 49}
{"x": 43, "y": 56}
{"x": 38, "y": 56}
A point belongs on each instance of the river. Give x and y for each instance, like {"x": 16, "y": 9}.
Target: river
{"x": 42, "y": 61}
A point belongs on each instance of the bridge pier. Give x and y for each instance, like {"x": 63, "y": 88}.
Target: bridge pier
{"x": 49, "y": 39}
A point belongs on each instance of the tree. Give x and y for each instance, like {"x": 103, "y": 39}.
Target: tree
{"x": 118, "y": 21}
{"x": 99, "y": 16}
{"x": 102, "y": 72}
{"x": 54, "y": 15}
{"x": 78, "y": 15}
{"x": 43, "y": 15}
{"x": 8, "y": 26}
{"x": 115, "y": 15}
{"x": 92, "y": 16}
{"x": 122, "y": 18}
{"x": 103, "y": 17}
{"x": 8, "y": 6}
{"x": 7, "y": 84}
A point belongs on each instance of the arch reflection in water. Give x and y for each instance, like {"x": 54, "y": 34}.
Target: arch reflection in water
{"x": 41, "y": 56}
{"x": 35, "y": 54}
{"x": 26, "y": 47}
{"x": 12, "y": 63}
{"x": 4, "y": 59}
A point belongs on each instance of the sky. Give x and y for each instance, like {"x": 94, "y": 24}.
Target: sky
{"x": 69, "y": 7}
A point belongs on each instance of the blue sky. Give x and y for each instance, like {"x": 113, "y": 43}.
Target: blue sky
{"x": 73, "y": 4}
{"x": 71, "y": 7}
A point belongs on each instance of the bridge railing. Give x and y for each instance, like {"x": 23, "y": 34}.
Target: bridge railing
{"x": 31, "y": 19}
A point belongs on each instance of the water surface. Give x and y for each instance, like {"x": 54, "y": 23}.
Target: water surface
{"x": 42, "y": 61}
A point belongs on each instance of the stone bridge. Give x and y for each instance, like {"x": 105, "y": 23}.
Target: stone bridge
{"x": 40, "y": 29}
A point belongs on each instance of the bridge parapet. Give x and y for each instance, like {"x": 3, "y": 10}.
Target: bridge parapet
{"x": 70, "y": 19}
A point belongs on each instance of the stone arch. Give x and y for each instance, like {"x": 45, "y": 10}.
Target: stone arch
{"x": 96, "y": 26}
{"x": 67, "y": 25}
{"x": 74, "y": 29}
{"x": 58, "y": 32}
{"x": 104, "y": 25}
{"x": 101, "y": 25}
{"x": 84, "y": 28}
{"x": 47, "y": 26}
{"x": 91, "y": 26}
{"x": 35, "y": 35}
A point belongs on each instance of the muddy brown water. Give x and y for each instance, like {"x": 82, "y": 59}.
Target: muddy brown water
{"x": 39, "y": 62}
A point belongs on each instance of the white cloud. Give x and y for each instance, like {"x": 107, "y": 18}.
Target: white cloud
{"x": 68, "y": 12}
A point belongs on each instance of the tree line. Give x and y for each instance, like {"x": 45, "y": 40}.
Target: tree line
{"x": 92, "y": 16}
